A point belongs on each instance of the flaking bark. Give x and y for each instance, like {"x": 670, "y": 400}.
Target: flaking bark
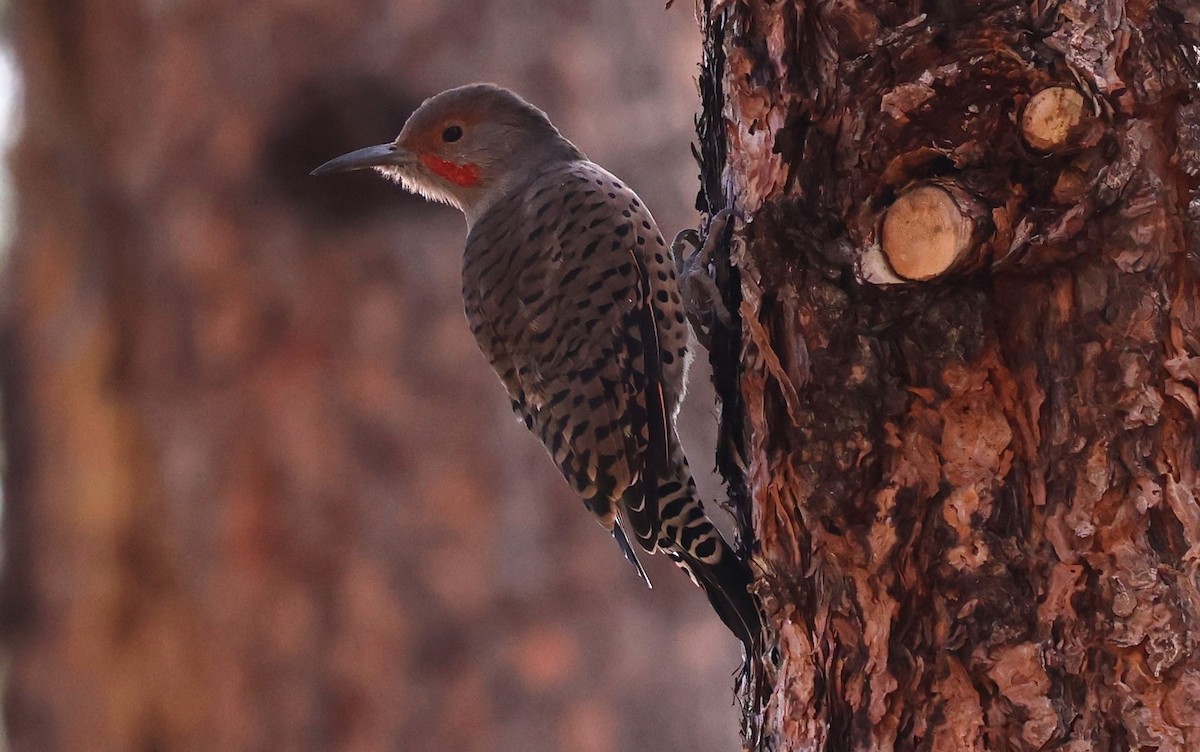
{"x": 975, "y": 500}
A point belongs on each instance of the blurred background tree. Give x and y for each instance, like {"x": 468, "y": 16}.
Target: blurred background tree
{"x": 262, "y": 492}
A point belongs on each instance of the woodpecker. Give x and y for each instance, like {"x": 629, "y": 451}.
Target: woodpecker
{"x": 572, "y": 296}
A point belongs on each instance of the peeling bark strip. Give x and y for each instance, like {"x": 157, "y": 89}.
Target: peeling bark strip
{"x": 977, "y": 502}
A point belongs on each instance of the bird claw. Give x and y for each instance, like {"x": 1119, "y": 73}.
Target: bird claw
{"x": 701, "y": 298}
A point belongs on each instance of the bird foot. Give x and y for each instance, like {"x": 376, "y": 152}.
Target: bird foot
{"x": 701, "y": 298}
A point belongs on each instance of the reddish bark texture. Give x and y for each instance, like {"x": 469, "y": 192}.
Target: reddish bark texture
{"x": 976, "y": 499}
{"x": 262, "y": 492}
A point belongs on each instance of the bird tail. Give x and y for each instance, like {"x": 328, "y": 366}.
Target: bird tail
{"x": 618, "y": 535}
{"x": 725, "y": 580}
{"x": 691, "y": 540}
{"x": 671, "y": 519}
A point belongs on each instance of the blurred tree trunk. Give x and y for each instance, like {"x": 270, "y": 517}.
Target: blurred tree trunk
{"x": 963, "y": 398}
{"x": 262, "y": 492}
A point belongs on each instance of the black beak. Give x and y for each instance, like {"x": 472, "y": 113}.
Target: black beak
{"x": 382, "y": 155}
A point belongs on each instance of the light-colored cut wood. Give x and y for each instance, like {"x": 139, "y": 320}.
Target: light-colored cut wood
{"x": 928, "y": 231}
{"x": 1049, "y": 116}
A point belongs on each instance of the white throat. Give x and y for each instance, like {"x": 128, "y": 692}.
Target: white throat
{"x": 419, "y": 185}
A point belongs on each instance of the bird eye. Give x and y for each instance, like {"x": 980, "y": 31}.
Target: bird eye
{"x": 453, "y": 133}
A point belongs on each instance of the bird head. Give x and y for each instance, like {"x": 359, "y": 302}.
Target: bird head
{"x": 466, "y": 147}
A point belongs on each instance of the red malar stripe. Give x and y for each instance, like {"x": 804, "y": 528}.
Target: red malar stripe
{"x": 460, "y": 174}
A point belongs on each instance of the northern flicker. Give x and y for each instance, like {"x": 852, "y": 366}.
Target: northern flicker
{"x": 572, "y": 296}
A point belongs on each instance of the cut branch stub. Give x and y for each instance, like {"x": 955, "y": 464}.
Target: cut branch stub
{"x": 931, "y": 230}
{"x": 1049, "y": 117}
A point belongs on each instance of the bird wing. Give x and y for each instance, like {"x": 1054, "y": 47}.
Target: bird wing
{"x": 566, "y": 315}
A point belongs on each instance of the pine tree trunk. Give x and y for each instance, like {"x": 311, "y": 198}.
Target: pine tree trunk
{"x": 962, "y": 400}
